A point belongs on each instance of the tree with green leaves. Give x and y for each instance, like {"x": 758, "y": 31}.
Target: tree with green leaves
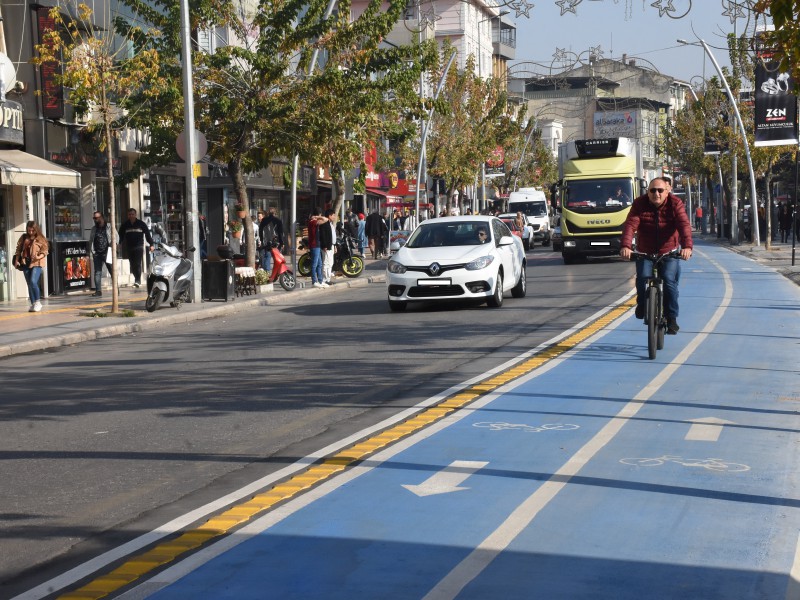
{"x": 102, "y": 70}
{"x": 472, "y": 118}
{"x": 259, "y": 97}
{"x": 784, "y": 39}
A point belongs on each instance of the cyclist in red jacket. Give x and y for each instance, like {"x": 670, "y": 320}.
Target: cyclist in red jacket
{"x": 661, "y": 225}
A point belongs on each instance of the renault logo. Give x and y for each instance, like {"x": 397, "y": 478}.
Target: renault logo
{"x": 434, "y": 269}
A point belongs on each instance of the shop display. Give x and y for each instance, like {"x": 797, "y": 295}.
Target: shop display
{"x": 174, "y": 220}
{"x": 74, "y": 260}
{"x": 67, "y": 213}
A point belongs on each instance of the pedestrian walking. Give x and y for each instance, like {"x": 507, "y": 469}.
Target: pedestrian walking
{"x": 327, "y": 242}
{"x": 361, "y": 234}
{"x": 784, "y": 222}
{"x": 351, "y": 223}
{"x": 30, "y": 257}
{"x": 376, "y": 230}
{"x": 314, "y": 221}
{"x": 100, "y": 237}
{"x": 132, "y": 235}
{"x": 270, "y": 230}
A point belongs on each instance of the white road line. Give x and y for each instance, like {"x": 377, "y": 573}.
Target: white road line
{"x": 483, "y": 555}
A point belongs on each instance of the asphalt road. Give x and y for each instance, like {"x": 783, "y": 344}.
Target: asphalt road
{"x": 104, "y": 441}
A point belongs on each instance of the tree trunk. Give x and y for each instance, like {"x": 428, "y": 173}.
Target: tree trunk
{"x": 768, "y": 209}
{"x": 337, "y": 180}
{"x": 106, "y": 113}
{"x": 240, "y": 189}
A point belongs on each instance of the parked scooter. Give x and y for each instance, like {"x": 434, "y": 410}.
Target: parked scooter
{"x": 170, "y": 278}
{"x": 281, "y": 271}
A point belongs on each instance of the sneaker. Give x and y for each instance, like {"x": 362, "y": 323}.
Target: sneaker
{"x": 324, "y": 285}
{"x": 31, "y": 308}
{"x": 317, "y": 284}
{"x": 97, "y": 294}
{"x": 672, "y": 326}
{"x": 136, "y": 284}
{"x": 640, "y": 311}
{"x": 37, "y": 306}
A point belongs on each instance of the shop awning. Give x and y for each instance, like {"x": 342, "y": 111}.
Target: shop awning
{"x": 383, "y": 194}
{"x": 20, "y": 168}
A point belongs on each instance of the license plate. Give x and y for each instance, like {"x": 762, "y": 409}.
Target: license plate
{"x": 439, "y": 281}
{"x": 600, "y": 244}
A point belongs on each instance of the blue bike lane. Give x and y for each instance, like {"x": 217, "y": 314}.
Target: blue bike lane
{"x": 601, "y": 474}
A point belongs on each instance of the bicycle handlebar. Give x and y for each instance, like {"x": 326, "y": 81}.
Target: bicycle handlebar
{"x": 676, "y": 253}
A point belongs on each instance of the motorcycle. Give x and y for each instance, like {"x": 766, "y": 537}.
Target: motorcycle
{"x": 344, "y": 259}
{"x": 170, "y": 278}
{"x": 280, "y": 270}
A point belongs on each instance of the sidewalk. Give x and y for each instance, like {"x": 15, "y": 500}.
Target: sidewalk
{"x": 64, "y": 320}
{"x": 779, "y": 256}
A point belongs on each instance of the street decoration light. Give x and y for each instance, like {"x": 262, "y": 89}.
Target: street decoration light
{"x": 735, "y": 105}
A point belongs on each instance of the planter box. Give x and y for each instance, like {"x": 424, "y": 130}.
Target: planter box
{"x": 267, "y": 288}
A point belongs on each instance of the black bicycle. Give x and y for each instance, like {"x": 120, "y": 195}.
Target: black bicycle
{"x": 654, "y": 297}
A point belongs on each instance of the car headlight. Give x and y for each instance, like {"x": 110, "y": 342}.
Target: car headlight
{"x": 395, "y": 267}
{"x": 479, "y": 263}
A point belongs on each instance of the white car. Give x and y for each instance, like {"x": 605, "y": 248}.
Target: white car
{"x": 457, "y": 258}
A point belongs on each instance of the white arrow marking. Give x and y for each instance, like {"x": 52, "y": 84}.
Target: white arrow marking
{"x": 707, "y": 429}
{"x": 448, "y": 479}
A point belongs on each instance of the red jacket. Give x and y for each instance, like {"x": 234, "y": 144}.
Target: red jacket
{"x": 659, "y": 230}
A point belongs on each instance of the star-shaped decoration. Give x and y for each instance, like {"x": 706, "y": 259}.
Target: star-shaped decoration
{"x": 662, "y": 8}
{"x": 733, "y": 11}
{"x": 521, "y": 7}
{"x": 597, "y": 51}
{"x": 560, "y": 54}
{"x": 428, "y": 18}
{"x": 568, "y": 6}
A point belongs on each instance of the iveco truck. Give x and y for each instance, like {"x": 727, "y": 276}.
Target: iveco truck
{"x": 598, "y": 180}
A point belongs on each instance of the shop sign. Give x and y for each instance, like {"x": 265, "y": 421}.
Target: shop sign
{"x": 52, "y": 91}
{"x": 11, "y": 122}
{"x": 75, "y": 269}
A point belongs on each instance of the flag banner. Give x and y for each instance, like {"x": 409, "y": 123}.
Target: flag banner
{"x": 776, "y": 106}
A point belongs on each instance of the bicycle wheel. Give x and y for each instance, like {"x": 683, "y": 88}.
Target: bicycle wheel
{"x": 661, "y": 327}
{"x": 652, "y": 323}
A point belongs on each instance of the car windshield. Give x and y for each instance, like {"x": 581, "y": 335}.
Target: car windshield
{"x": 598, "y": 196}
{"x": 451, "y": 233}
{"x": 531, "y": 209}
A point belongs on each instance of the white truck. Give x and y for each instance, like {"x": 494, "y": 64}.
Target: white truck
{"x": 533, "y": 204}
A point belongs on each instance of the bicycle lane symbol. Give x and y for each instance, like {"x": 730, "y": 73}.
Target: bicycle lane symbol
{"x": 502, "y": 426}
{"x": 709, "y": 464}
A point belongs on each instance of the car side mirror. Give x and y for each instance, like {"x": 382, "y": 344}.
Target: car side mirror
{"x": 506, "y": 240}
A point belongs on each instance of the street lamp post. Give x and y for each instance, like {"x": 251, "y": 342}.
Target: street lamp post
{"x": 734, "y": 104}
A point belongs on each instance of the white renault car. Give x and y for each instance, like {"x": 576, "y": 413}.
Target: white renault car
{"x": 457, "y": 258}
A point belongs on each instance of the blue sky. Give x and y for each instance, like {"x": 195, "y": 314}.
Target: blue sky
{"x": 631, "y": 27}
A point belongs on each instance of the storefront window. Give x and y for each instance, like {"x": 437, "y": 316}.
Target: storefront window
{"x": 166, "y": 207}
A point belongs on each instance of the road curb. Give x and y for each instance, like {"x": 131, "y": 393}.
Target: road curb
{"x": 174, "y": 317}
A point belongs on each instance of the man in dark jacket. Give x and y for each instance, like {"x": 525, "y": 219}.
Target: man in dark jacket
{"x": 270, "y": 232}
{"x": 375, "y": 228}
{"x": 661, "y": 225}
{"x": 132, "y": 234}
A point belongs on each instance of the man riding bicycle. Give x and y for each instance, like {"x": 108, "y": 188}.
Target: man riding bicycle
{"x": 661, "y": 225}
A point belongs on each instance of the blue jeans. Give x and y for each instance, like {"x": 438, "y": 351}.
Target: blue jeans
{"x": 99, "y": 260}
{"x": 670, "y": 273}
{"x": 316, "y": 265}
{"x": 32, "y": 276}
{"x": 266, "y": 260}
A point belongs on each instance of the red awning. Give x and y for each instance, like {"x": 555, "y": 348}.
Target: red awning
{"x": 383, "y": 194}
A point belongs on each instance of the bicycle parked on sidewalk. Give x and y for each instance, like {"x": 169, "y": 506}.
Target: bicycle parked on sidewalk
{"x": 654, "y": 317}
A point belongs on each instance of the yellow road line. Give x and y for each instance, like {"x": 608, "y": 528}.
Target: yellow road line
{"x": 221, "y": 524}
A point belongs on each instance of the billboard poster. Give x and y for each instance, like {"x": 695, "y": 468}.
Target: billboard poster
{"x": 775, "y": 106}
{"x": 52, "y": 92}
{"x": 615, "y": 124}
{"x": 496, "y": 165}
{"x": 74, "y": 261}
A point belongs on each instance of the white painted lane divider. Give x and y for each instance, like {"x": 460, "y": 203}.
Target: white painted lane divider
{"x": 707, "y": 429}
{"x": 448, "y": 479}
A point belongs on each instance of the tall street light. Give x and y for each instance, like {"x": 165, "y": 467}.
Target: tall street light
{"x": 735, "y": 105}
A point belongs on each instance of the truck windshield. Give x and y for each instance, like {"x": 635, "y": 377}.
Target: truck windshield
{"x": 530, "y": 209}
{"x": 598, "y": 196}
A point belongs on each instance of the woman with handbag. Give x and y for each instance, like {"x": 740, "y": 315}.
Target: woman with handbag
{"x": 30, "y": 258}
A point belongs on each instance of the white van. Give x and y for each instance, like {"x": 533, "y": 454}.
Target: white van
{"x": 533, "y": 204}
